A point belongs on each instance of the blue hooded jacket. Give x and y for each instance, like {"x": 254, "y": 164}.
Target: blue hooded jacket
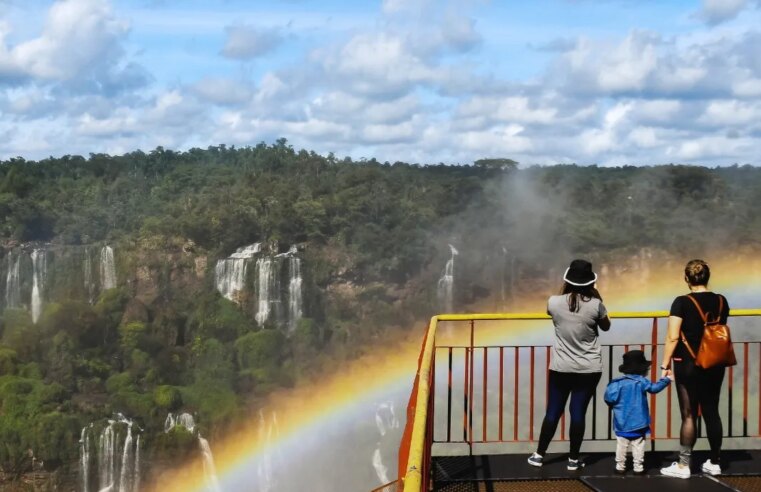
{"x": 628, "y": 397}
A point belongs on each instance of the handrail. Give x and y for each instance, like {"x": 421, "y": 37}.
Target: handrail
{"x": 413, "y": 478}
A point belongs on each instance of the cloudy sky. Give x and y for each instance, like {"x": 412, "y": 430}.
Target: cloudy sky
{"x": 610, "y": 82}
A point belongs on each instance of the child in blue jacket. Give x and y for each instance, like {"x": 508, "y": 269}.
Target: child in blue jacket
{"x": 627, "y": 395}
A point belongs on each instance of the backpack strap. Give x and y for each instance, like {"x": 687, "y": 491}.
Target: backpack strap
{"x": 702, "y": 314}
{"x": 689, "y": 349}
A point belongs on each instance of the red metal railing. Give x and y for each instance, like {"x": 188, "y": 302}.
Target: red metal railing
{"x": 468, "y": 371}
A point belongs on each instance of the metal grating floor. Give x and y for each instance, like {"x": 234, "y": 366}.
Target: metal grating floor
{"x": 743, "y": 484}
{"x": 496, "y": 473}
{"x": 515, "y": 486}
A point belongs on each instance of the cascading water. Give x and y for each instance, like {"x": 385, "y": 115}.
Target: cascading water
{"x": 268, "y": 433}
{"x": 106, "y": 445}
{"x": 209, "y": 469}
{"x": 128, "y": 462}
{"x": 84, "y": 458}
{"x": 39, "y": 275}
{"x": 385, "y": 421}
{"x": 136, "y": 471}
{"x": 264, "y": 282}
{"x": 107, "y": 268}
{"x": 294, "y": 292}
{"x": 187, "y": 421}
{"x": 445, "y": 289}
{"x": 230, "y": 272}
{"x": 118, "y": 461}
{"x": 169, "y": 423}
{"x": 13, "y": 282}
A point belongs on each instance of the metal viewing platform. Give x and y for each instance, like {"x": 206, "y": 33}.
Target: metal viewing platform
{"x": 476, "y": 407}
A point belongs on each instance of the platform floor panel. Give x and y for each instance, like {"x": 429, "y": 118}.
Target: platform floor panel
{"x": 743, "y": 484}
{"x": 515, "y": 486}
{"x": 742, "y": 471}
{"x": 656, "y": 483}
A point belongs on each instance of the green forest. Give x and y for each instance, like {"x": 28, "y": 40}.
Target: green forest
{"x": 373, "y": 237}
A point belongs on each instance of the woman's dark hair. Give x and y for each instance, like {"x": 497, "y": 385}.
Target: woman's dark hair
{"x": 584, "y": 293}
{"x": 697, "y": 272}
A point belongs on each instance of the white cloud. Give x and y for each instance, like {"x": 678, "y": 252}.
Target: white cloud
{"x": 727, "y": 113}
{"x": 715, "y": 12}
{"x": 224, "y": 91}
{"x": 518, "y": 109}
{"x": 247, "y": 42}
{"x": 79, "y": 37}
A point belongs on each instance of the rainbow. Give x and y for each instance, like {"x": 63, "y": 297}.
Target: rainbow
{"x": 312, "y": 414}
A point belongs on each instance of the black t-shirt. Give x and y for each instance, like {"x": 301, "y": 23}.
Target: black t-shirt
{"x": 692, "y": 324}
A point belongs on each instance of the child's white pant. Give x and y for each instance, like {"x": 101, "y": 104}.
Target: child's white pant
{"x": 638, "y": 452}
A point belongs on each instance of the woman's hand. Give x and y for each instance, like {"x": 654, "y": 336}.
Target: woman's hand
{"x": 666, "y": 373}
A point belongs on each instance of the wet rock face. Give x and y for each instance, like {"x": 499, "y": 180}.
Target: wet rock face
{"x": 135, "y": 311}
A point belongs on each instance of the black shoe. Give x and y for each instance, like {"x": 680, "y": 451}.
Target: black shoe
{"x": 574, "y": 465}
{"x": 620, "y": 471}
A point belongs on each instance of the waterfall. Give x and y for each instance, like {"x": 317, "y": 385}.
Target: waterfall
{"x": 294, "y": 292}
{"x": 118, "y": 461}
{"x": 169, "y": 423}
{"x": 106, "y": 463}
{"x": 264, "y": 280}
{"x": 209, "y": 470}
{"x": 264, "y": 470}
{"x": 136, "y": 475}
{"x": 127, "y": 462}
{"x": 107, "y": 268}
{"x": 186, "y": 420}
{"x": 380, "y": 469}
{"x": 84, "y": 459}
{"x": 12, "y": 282}
{"x": 445, "y": 289}
{"x": 39, "y": 274}
{"x": 385, "y": 421}
{"x": 230, "y": 273}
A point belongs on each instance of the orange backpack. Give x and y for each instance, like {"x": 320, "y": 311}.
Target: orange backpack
{"x": 716, "y": 345}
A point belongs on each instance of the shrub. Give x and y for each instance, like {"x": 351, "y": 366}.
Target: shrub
{"x": 167, "y": 397}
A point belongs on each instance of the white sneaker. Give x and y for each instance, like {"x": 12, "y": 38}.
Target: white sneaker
{"x": 712, "y": 469}
{"x": 676, "y": 471}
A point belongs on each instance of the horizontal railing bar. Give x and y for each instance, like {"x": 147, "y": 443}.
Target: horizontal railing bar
{"x": 541, "y": 316}
{"x": 550, "y": 346}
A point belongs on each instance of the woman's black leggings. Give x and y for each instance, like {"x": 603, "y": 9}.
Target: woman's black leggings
{"x": 580, "y": 387}
{"x": 699, "y": 388}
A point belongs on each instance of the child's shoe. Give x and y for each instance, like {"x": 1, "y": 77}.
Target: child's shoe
{"x": 620, "y": 470}
{"x": 676, "y": 471}
{"x": 574, "y": 465}
{"x": 639, "y": 470}
{"x": 535, "y": 459}
{"x": 712, "y": 469}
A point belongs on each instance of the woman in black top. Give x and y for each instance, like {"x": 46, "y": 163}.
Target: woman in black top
{"x": 696, "y": 387}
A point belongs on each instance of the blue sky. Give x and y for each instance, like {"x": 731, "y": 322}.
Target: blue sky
{"x": 606, "y": 82}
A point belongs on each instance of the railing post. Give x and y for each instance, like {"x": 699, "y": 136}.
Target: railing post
{"x": 501, "y": 388}
{"x": 653, "y": 359}
{"x": 745, "y": 389}
{"x": 470, "y": 397}
{"x": 516, "y": 394}
{"x": 449, "y": 399}
{"x": 486, "y": 371}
